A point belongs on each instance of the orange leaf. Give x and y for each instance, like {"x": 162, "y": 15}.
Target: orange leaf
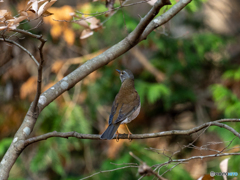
{"x": 69, "y": 36}
{"x": 65, "y": 12}
{"x": 56, "y": 31}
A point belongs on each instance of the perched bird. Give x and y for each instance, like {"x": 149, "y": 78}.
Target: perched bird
{"x": 126, "y": 105}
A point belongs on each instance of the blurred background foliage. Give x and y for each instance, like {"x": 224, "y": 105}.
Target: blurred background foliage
{"x": 193, "y": 78}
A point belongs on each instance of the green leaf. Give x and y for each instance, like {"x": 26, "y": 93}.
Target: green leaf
{"x": 156, "y": 91}
{"x": 4, "y": 145}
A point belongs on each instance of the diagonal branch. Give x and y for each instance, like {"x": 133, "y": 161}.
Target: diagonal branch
{"x": 143, "y": 28}
{"x": 18, "y": 144}
{"x": 135, "y": 136}
{"x": 21, "y": 47}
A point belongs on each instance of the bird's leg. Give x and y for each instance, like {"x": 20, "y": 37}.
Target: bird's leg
{"x": 117, "y": 139}
{"x": 129, "y": 133}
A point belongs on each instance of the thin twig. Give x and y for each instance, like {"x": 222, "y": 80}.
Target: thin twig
{"x": 40, "y": 66}
{"x": 28, "y": 34}
{"x": 39, "y": 82}
{"x": 171, "y": 168}
{"x": 144, "y": 169}
{"x": 139, "y": 33}
{"x": 134, "y": 164}
{"x": 21, "y": 47}
{"x": 108, "y": 171}
{"x": 135, "y": 136}
{"x": 196, "y": 157}
{"x": 135, "y": 157}
{"x": 226, "y": 146}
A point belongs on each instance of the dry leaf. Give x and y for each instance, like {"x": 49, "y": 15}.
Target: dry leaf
{"x": 83, "y": 23}
{"x": 3, "y": 27}
{"x": 5, "y": 15}
{"x": 2, "y": 13}
{"x": 69, "y": 36}
{"x": 63, "y": 13}
{"x": 23, "y": 13}
{"x": 39, "y": 7}
{"x": 46, "y": 13}
{"x": 56, "y": 31}
{"x": 94, "y": 22}
{"x": 206, "y": 177}
{"x": 224, "y": 167}
{"x": 31, "y": 15}
{"x": 45, "y": 6}
{"x": 35, "y": 6}
{"x": 11, "y": 24}
{"x": 19, "y": 19}
{"x": 151, "y": 2}
{"x": 86, "y": 33}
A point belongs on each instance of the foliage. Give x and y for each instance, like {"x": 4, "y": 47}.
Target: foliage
{"x": 153, "y": 91}
{"x": 226, "y": 101}
{"x": 4, "y": 144}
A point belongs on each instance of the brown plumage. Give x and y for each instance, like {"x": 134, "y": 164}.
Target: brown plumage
{"x": 126, "y": 105}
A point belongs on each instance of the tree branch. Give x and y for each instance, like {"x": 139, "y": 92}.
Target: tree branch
{"x": 135, "y": 136}
{"x": 110, "y": 170}
{"x": 29, "y": 34}
{"x": 39, "y": 82}
{"x": 77, "y": 75}
{"x": 164, "y": 18}
{"x": 21, "y": 47}
{"x": 109, "y": 55}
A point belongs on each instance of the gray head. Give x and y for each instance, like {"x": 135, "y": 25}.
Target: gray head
{"x": 125, "y": 74}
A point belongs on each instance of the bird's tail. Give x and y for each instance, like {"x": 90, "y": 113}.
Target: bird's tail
{"x": 110, "y": 131}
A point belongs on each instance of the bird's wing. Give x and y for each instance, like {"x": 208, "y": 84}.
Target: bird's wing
{"x": 121, "y": 109}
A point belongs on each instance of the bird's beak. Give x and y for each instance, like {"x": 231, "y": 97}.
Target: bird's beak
{"x": 118, "y": 71}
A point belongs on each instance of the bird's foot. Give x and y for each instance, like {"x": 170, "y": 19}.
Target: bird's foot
{"x": 129, "y": 136}
{"x": 117, "y": 138}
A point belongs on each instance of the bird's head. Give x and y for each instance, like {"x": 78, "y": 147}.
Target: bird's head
{"x": 125, "y": 74}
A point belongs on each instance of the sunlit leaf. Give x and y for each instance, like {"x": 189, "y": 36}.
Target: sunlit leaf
{"x": 69, "y": 36}
{"x": 86, "y": 33}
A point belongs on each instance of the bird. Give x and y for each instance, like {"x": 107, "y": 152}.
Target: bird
{"x": 126, "y": 106}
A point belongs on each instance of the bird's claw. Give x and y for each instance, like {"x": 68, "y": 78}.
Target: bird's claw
{"x": 129, "y": 134}
{"x": 117, "y": 138}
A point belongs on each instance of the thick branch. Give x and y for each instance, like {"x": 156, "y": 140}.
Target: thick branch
{"x": 136, "y": 136}
{"x": 20, "y": 142}
{"x": 109, "y": 55}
